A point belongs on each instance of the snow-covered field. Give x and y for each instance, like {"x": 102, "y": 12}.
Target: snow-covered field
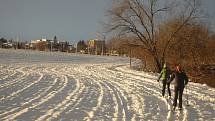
{"x": 59, "y": 86}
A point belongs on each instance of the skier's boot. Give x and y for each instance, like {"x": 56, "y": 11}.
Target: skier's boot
{"x": 173, "y": 108}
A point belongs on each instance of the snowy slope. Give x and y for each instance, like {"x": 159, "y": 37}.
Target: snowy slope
{"x": 45, "y": 86}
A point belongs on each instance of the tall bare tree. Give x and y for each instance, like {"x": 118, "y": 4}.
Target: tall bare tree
{"x": 142, "y": 18}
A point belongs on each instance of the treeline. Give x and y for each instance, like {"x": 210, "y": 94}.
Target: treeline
{"x": 193, "y": 48}
{"x": 181, "y": 37}
{"x": 94, "y": 47}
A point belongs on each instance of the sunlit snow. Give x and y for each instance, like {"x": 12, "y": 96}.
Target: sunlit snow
{"x": 63, "y": 86}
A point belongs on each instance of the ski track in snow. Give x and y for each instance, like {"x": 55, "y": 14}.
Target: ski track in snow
{"x": 95, "y": 91}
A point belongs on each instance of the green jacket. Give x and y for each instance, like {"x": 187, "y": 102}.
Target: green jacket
{"x": 164, "y": 74}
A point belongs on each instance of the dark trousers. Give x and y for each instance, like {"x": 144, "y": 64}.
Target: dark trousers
{"x": 164, "y": 88}
{"x": 178, "y": 94}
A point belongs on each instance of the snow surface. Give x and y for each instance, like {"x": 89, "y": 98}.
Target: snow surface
{"x": 61, "y": 86}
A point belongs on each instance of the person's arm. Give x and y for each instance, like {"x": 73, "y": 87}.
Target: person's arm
{"x": 160, "y": 75}
{"x": 185, "y": 79}
{"x": 171, "y": 78}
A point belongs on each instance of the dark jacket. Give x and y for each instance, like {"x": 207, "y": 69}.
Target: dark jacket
{"x": 181, "y": 79}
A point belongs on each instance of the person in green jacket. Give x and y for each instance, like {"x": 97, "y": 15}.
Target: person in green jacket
{"x": 164, "y": 76}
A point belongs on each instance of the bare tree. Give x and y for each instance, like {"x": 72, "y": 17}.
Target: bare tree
{"x": 142, "y": 18}
{"x": 211, "y": 49}
{"x": 188, "y": 44}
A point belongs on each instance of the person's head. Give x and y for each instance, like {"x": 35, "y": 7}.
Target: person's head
{"x": 164, "y": 65}
{"x": 178, "y": 68}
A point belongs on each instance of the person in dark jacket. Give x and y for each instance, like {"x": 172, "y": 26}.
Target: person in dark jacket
{"x": 181, "y": 80}
{"x": 164, "y": 76}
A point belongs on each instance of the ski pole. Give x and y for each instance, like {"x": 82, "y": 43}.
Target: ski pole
{"x": 187, "y": 96}
{"x": 159, "y": 84}
{"x": 159, "y": 81}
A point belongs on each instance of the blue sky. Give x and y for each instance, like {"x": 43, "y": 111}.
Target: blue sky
{"x": 67, "y": 19}
{"x": 70, "y": 20}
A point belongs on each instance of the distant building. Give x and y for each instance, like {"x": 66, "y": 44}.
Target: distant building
{"x": 4, "y": 43}
{"x": 96, "y": 47}
{"x": 41, "y": 44}
{"x": 7, "y": 45}
{"x": 49, "y": 45}
{"x": 63, "y": 46}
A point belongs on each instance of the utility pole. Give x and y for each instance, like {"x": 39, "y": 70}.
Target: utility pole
{"x": 88, "y": 47}
{"x": 17, "y": 41}
{"x": 130, "y": 55}
{"x": 96, "y": 50}
{"x": 76, "y": 47}
{"x": 103, "y": 44}
{"x": 51, "y": 45}
{"x": 102, "y": 49}
{"x": 98, "y": 38}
